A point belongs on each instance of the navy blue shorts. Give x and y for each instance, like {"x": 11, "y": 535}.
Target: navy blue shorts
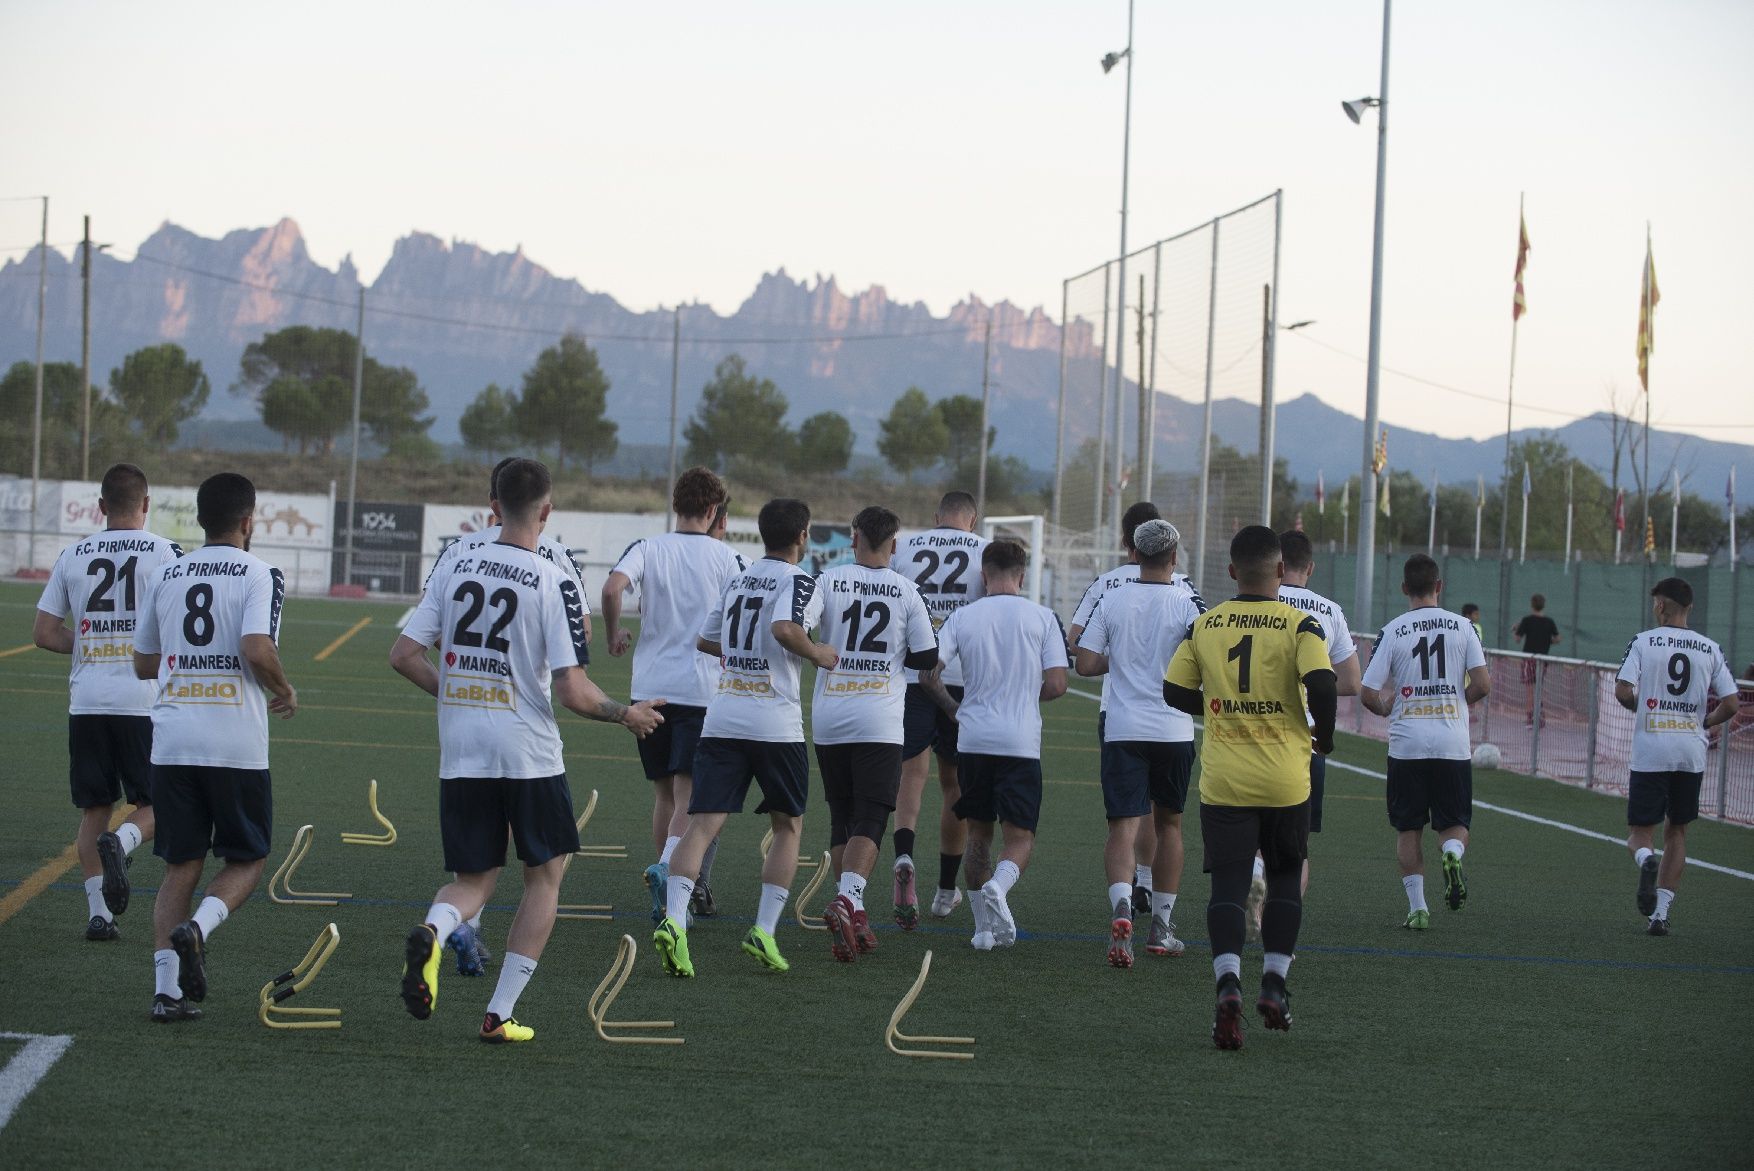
{"x": 926, "y": 725}
{"x": 476, "y": 812}
{"x": 669, "y": 750}
{"x": 1318, "y": 785}
{"x": 199, "y": 808}
{"x": 1439, "y": 790}
{"x": 724, "y": 767}
{"x": 1006, "y": 789}
{"x": 1137, "y": 774}
{"x": 109, "y": 758}
{"x": 1650, "y": 797}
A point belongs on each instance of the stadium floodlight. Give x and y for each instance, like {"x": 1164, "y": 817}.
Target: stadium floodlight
{"x": 1355, "y": 109}
{"x": 1110, "y": 60}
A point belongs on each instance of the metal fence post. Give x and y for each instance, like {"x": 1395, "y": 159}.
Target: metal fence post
{"x": 1589, "y": 776}
{"x": 1539, "y": 718}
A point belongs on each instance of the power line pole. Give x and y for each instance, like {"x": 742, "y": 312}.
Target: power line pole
{"x": 1143, "y": 459}
{"x": 1366, "y": 570}
{"x": 85, "y": 350}
{"x": 353, "y": 464}
{"x": 980, "y": 493}
{"x": 675, "y": 372}
{"x": 36, "y": 438}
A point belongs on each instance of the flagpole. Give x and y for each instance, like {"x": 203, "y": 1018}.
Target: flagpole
{"x": 1479, "y": 510}
{"x": 1650, "y": 328}
{"x": 1569, "y": 468}
{"x": 1431, "y": 529}
{"x": 1732, "y": 518}
{"x": 1516, "y": 319}
{"x": 1674, "y": 512}
{"x": 1619, "y": 522}
{"x": 1523, "y": 551}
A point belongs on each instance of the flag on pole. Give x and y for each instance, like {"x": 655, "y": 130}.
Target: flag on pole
{"x": 1647, "y": 304}
{"x": 1520, "y": 306}
{"x": 1298, "y": 523}
{"x": 1383, "y": 504}
{"x": 1730, "y": 498}
{"x": 1346, "y": 498}
{"x": 1479, "y": 492}
{"x": 1620, "y": 511}
{"x": 1381, "y": 459}
{"x": 1526, "y": 488}
{"x": 1321, "y": 494}
{"x": 1650, "y": 537}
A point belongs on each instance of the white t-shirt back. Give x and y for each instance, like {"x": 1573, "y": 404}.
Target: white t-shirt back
{"x": 210, "y": 710}
{"x": 1426, "y": 654}
{"x": 1138, "y": 628}
{"x": 945, "y": 566}
{"x": 1127, "y": 573}
{"x": 1002, "y": 643}
{"x": 758, "y": 694}
{"x": 552, "y": 551}
{"x": 99, "y": 585}
{"x": 681, "y": 577}
{"x": 873, "y": 618}
{"x": 503, "y": 619}
{"x": 1676, "y": 672}
{"x": 1333, "y": 620}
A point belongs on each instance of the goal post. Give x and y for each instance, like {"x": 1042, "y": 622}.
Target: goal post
{"x": 1028, "y": 530}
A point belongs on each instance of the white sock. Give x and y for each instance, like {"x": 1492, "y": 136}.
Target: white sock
{"x": 1643, "y": 853}
{"x": 1664, "y": 898}
{"x": 1142, "y": 876}
{"x": 1006, "y": 874}
{"x": 677, "y": 891}
{"x": 443, "y": 919}
{"x": 94, "y": 899}
{"x": 1415, "y": 884}
{"x": 514, "y": 972}
{"x": 670, "y": 844}
{"x": 209, "y": 915}
{"x": 1260, "y": 867}
{"x": 1119, "y": 892}
{"x": 167, "y": 971}
{"x": 906, "y": 860}
{"x": 1278, "y": 963}
{"x": 852, "y": 885}
{"x": 475, "y": 920}
{"x": 1228, "y": 964}
{"x": 1454, "y": 846}
{"x": 130, "y": 837}
{"x": 1162, "y": 906}
{"x": 773, "y": 901}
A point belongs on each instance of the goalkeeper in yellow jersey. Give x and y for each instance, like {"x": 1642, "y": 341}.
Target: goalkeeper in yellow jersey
{"x": 1247, "y": 669}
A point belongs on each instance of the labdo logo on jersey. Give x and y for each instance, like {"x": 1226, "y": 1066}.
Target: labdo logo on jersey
{"x": 468, "y": 689}
{"x": 106, "y": 640}
{"x": 856, "y": 685}
{"x": 759, "y": 688}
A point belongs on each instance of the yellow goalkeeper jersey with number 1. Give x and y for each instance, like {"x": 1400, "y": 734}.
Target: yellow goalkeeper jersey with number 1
{"x": 1249, "y": 656}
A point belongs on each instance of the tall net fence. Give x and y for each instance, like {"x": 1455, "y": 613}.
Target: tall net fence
{"x": 1558, "y": 718}
{"x": 1203, "y": 303}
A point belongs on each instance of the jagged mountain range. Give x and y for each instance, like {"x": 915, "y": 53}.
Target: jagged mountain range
{"x": 461, "y": 317}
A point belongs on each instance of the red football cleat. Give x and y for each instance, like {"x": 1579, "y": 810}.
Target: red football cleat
{"x": 1227, "y": 1025}
{"x": 838, "y": 918}
{"x": 863, "y": 933}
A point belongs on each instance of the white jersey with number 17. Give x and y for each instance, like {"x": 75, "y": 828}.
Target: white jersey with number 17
{"x": 757, "y": 697}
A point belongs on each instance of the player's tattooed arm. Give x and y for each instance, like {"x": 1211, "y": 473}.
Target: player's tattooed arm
{"x": 259, "y": 651}
{"x": 51, "y": 634}
{"x": 408, "y": 659}
{"x": 933, "y": 682}
{"x": 579, "y": 695}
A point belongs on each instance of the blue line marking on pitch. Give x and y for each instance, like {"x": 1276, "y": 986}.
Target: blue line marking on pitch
{"x": 1073, "y": 937}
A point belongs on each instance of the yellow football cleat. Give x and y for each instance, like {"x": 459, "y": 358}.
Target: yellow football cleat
{"x": 497, "y": 1032}
{"x": 420, "y": 965}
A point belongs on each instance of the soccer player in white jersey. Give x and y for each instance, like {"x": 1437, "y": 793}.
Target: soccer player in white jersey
{"x": 1145, "y": 846}
{"x": 473, "y": 954}
{"x": 1666, "y": 681}
{"x": 207, "y": 635}
{"x": 877, "y": 621}
{"x": 509, "y": 627}
{"x": 754, "y": 729}
{"x": 1426, "y": 670}
{"x": 1012, "y": 656}
{"x": 680, "y": 575}
{"x": 1147, "y": 747}
{"x": 97, "y": 584}
{"x": 944, "y": 564}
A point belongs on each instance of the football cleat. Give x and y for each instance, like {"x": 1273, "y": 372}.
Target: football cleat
{"x": 169, "y": 1010}
{"x": 1227, "y": 1021}
{"x": 421, "y": 954}
{"x": 982, "y": 941}
{"x": 657, "y": 877}
{"x": 1162, "y": 940}
{"x": 115, "y": 865}
{"x": 1455, "y": 885}
{"x": 1657, "y": 927}
{"x": 101, "y": 930}
{"x": 999, "y": 915}
{"x": 191, "y": 948}
{"x": 761, "y": 945}
{"x": 1417, "y": 920}
{"x": 945, "y": 902}
{"x": 862, "y": 932}
{"x": 672, "y": 944}
{"x": 700, "y": 903}
{"x": 464, "y": 942}
{"x": 907, "y": 901}
{"x": 1120, "y": 936}
{"x": 1647, "y": 886}
{"x": 1141, "y": 901}
{"x": 843, "y": 940}
{"x": 1274, "y": 1004}
{"x": 499, "y": 1032}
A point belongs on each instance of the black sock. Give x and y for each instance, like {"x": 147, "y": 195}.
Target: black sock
{"x": 948, "y": 865}
{"x": 904, "y": 843}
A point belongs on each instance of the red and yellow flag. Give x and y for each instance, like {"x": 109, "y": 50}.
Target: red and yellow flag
{"x": 1647, "y": 304}
{"x": 1650, "y": 536}
{"x": 1380, "y": 460}
{"x": 1521, "y": 306}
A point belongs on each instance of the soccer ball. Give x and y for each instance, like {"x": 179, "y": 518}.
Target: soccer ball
{"x": 1488, "y": 756}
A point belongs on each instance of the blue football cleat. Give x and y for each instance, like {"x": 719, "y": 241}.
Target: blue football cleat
{"x": 464, "y": 942}
{"x": 657, "y": 881}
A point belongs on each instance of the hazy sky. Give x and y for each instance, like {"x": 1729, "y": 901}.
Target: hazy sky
{"x": 665, "y": 152}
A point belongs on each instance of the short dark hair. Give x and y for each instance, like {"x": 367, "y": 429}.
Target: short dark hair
{"x": 698, "y": 492}
{"x": 1004, "y": 557}
{"x": 1296, "y": 549}
{"x": 1253, "y": 549}
{"x": 1675, "y": 590}
{"x": 877, "y": 525}
{"x": 520, "y": 487}
{"x": 1539, "y": 602}
{"x": 1136, "y": 515}
{"x": 223, "y": 501}
{"x": 124, "y": 487}
{"x": 1469, "y": 609}
{"x": 493, "y": 479}
{"x": 957, "y": 501}
{"x": 1419, "y": 576}
{"x": 781, "y": 520}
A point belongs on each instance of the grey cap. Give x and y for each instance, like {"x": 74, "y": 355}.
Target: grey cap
{"x": 1154, "y": 538}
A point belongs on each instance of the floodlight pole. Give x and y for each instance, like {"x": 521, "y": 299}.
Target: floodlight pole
{"x": 85, "y": 351}
{"x": 1121, "y": 292}
{"x": 353, "y": 464}
{"x": 1366, "y": 573}
{"x": 36, "y": 435}
{"x": 675, "y": 371}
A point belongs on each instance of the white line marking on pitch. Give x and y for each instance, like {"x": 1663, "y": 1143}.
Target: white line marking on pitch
{"x": 1508, "y": 812}
{"x": 28, "y": 1067}
{"x": 406, "y": 615}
